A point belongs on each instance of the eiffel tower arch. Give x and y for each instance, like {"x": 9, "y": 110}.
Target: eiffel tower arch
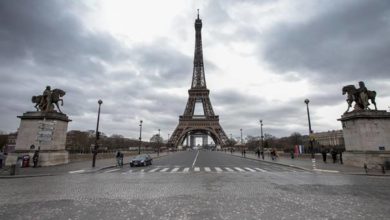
{"x": 206, "y": 123}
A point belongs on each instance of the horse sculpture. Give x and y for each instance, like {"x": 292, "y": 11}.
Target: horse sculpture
{"x": 55, "y": 97}
{"x": 353, "y": 95}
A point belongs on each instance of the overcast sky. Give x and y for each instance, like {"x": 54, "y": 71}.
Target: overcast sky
{"x": 262, "y": 59}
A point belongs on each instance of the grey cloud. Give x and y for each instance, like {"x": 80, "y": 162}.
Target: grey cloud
{"x": 341, "y": 43}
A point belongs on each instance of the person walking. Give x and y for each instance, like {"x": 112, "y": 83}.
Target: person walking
{"x": 244, "y": 152}
{"x": 323, "y": 152}
{"x": 341, "y": 156}
{"x": 333, "y": 152}
{"x": 35, "y": 159}
{"x": 119, "y": 159}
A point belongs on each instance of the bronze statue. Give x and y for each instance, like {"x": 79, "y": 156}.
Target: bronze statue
{"x": 44, "y": 102}
{"x": 360, "y": 96}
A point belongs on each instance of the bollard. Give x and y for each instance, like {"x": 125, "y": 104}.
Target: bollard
{"x": 12, "y": 170}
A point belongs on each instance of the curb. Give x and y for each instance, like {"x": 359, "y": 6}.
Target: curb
{"x": 310, "y": 170}
{"x": 58, "y": 174}
{"x": 282, "y": 164}
{"x": 26, "y": 176}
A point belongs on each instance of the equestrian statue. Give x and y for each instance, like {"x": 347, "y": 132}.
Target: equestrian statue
{"x": 360, "y": 96}
{"x": 44, "y": 102}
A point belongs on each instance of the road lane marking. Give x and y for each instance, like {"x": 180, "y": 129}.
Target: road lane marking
{"x": 196, "y": 169}
{"x": 130, "y": 171}
{"x": 175, "y": 170}
{"x": 218, "y": 169}
{"x": 261, "y": 170}
{"x": 252, "y": 170}
{"x": 239, "y": 169}
{"x": 109, "y": 171}
{"x": 164, "y": 170}
{"x": 77, "y": 171}
{"x": 228, "y": 169}
{"x": 154, "y": 170}
{"x": 207, "y": 169}
{"x": 196, "y": 157}
{"x": 186, "y": 169}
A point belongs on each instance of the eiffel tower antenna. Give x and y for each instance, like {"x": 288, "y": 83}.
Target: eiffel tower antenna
{"x": 191, "y": 125}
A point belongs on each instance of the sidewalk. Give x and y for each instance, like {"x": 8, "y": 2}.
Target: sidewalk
{"x": 305, "y": 163}
{"x": 80, "y": 166}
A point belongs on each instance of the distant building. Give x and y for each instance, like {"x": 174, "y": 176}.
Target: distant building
{"x": 11, "y": 143}
{"x": 332, "y": 138}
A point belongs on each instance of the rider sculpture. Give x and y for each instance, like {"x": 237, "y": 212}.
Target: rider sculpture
{"x": 49, "y": 98}
{"x": 360, "y": 96}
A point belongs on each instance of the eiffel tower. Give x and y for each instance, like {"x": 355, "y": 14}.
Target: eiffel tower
{"x": 191, "y": 125}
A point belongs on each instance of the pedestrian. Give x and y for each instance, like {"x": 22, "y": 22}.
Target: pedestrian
{"x": 244, "y": 152}
{"x": 323, "y": 152}
{"x": 273, "y": 154}
{"x": 341, "y": 156}
{"x": 258, "y": 153}
{"x": 292, "y": 154}
{"x": 333, "y": 152}
{"x": 119, "y": 157}
{"x": 35, "y": 158}
{"x": 262, "y": 154}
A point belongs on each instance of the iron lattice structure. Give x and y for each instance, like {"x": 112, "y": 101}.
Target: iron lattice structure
{"x": 208, "y": 123}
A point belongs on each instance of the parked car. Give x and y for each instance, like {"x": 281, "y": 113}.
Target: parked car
{"x": 141, "y": 160}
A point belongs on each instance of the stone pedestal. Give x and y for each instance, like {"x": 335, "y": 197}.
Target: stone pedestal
{"x": 367, "y": 137}
{"x": 47, "y": 132}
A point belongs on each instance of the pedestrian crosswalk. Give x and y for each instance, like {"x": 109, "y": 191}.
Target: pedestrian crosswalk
{"x": 196, "y": 169}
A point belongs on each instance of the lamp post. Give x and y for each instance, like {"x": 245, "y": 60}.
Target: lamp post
{"x": 262, "y": 139}
{"x": 95, "y": 150}
{"x": 140, "y": 137}
{"x": 241, "y": 135}
{"x": 158, "y": 143}
{"x": 310, "y": 134}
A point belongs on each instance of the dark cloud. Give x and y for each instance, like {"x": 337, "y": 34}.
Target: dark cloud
{"x": 46, "y": 43}
{"x": 346, "y": 41}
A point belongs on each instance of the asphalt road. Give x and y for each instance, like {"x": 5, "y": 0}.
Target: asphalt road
{"x": 277, "y": 192}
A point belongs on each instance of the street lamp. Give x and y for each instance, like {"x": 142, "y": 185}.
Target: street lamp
{"x": 140, "y": 137}
{"x": 241, "y": 135}
{"x": 158, "y": 143}
{"x": 310, "y": 131}
{"x": 310, "y": 134}
{"x": 262, "y": 139}
{"x": 95, "y": 150}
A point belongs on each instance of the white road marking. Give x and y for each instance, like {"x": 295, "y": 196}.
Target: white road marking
{"x": 130, "y": 171}
{"x": 186, "y": 169}
{"x": 218, "y": 169}
{"x": 261, "y": 170}
{"x": 175, "y": 170}
{"x": 252, "y": 170}
{"x": 153, "y": 170}
{"x": 239, "y": 169}
{"x": 207, "y": 169}
{"x": 196, "y": 157}
{"x": 109, "y": 171}
{"x": 329, "y": 171}
{"x": 77, "y": 171}
{"x": 228, "y": 169}
{"x": 196, "y": 169}
{"x": 164, "y": 170}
